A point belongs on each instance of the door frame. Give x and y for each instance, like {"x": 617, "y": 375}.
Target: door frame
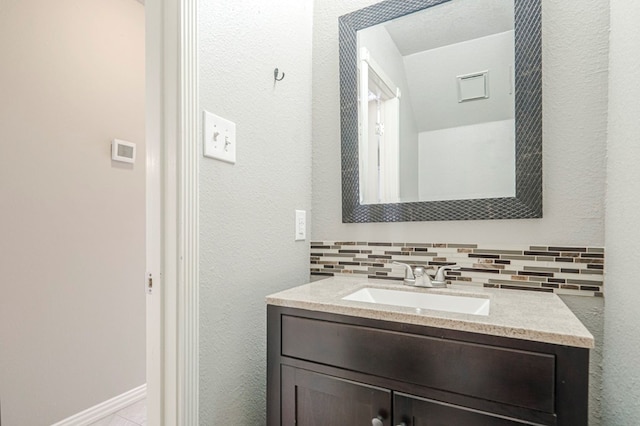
{"x": 173, "y": 153}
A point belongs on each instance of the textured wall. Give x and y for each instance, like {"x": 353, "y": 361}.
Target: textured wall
{"x": 575, "y": 49}
{"x": 622, "y": 339}
{"x": 590, "y": 311}
{"x": 247, "y": 209}
{"x": 72, "y": 254}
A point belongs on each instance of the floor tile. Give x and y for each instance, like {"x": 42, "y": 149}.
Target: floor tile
{"x": 114, "y": 420}
{"x": 136, "y": 413}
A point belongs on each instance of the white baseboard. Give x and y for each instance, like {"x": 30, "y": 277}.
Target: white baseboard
{"x": 106, "y": 408}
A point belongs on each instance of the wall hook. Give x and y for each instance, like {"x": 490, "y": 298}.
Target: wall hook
{"x": 275, "y": 76}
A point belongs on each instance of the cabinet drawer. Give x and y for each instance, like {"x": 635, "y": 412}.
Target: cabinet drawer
{"x": 516, "y": 377}
{"x": 415, "y": 411}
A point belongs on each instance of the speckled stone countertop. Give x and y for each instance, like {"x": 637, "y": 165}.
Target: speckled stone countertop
{"x": 541, "y": 317}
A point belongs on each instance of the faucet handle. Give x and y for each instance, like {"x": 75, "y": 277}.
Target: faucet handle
{"x": 408, "y": 272}
{"x": 440, "y": 276}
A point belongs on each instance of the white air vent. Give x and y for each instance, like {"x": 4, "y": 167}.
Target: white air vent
{"x": 473, "y": 86}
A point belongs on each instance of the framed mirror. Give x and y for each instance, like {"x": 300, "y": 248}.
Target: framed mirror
{"x": 441, "y": 111}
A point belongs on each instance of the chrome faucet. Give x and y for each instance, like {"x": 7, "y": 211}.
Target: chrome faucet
{"x": 418, "y": 277}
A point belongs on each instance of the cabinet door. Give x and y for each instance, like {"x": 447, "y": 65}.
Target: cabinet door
{"x": 314, "y": 399}
{"x": 413, "y": 411}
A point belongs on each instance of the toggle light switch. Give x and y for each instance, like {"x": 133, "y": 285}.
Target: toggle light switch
{"x": 219, "y": 138}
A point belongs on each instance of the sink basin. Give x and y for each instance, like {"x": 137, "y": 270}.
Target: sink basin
{"x": 411, "y": 299}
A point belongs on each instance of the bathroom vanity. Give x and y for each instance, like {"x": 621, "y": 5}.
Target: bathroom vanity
{"x": 335, "y": 361}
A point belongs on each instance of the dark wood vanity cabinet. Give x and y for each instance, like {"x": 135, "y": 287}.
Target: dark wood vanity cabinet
{"x": 326, "y": 369}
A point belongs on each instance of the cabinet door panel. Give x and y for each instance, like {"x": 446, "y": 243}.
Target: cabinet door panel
{"x": 313, "y": 399}
{"x": 414, "y": 411}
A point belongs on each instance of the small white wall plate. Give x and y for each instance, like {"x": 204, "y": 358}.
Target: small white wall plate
{"x": 219, "y": 138}
{"x": 123, "y": 151}
{"x": 301, "y": 225}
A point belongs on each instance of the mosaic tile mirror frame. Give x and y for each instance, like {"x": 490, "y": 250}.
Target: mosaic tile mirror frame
{"x": 527, "y": 202}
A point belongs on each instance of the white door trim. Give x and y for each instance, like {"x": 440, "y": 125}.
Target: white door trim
{"x": 154, "y": 219}
{"x": 188, "y": 225}
{"x": 172, "y": 119}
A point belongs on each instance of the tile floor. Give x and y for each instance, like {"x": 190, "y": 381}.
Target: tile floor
{"x": 133, "y": 415}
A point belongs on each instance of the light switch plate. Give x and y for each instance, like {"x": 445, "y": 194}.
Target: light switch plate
{"x": 301, "y": 225}
{"x": 219, "y": 136}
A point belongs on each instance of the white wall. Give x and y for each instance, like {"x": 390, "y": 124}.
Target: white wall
{"x": 622, "y": 339}
{"x": 575, "y": 61}
{"x": 435, "y": 88}
{"x": 247, "y": 209}
{"x": 72, "y": 307}
{"x": 590, "y": 310}
{"x": 467, "y": 162}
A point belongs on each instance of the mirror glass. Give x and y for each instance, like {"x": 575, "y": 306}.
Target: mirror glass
{"x": 436, "y": 93}
{"x": 441, "y": 110}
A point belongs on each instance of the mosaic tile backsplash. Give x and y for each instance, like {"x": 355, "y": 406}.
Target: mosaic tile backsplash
{"x": 563, "y": 270}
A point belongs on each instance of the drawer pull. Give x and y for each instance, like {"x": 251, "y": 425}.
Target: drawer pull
{"x": 377, "y": 421}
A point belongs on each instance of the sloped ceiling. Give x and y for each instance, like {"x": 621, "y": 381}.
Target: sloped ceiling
{"x": 448, "y": 23}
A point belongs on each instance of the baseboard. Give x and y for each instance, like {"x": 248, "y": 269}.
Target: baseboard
{"x": 106, "y": 408}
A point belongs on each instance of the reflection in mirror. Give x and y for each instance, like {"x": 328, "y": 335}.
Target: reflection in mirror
{"x": 453, "y": 64}
{"x": 379, "y": 133}
{"x": 441, "y": 110}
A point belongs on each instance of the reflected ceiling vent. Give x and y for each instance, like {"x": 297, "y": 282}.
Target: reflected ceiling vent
{"x": 473, "y": 86}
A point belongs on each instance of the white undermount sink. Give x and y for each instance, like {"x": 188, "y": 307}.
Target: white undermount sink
{"x": 419, "y": 300}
